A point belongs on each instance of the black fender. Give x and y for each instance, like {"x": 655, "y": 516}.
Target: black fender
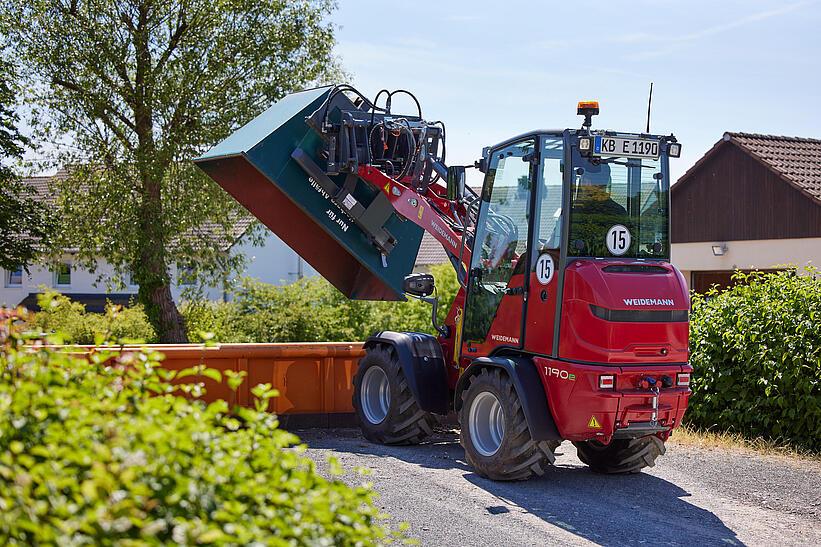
{"x": 529, "y": 388}
{"x": 423, "y": 364}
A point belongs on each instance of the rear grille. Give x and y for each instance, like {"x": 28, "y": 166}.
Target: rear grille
{"x": 635, "y": 268}
{"x": 640, "y": 316}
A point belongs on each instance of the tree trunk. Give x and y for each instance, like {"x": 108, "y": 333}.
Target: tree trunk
{"x": 151, "y": 270}
{"x": 167, "y": 319}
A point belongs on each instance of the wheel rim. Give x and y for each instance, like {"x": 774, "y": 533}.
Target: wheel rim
{"x": 486, "y": 423}
{"x": 376, "y": 395}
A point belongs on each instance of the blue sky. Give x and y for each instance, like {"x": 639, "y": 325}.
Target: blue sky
{"x": 491, "y": 70}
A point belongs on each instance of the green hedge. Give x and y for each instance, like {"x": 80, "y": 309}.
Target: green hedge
{"x": 310, "y": 310}
{"x": 756, "y": 351}
{"x": 77, "y": 326}
{"x": 104, "y": 452}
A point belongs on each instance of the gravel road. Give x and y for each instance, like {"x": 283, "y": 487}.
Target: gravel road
{"x": 692, "y": 496}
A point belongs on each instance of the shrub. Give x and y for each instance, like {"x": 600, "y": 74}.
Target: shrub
{"x": 756, "y": 351}
{"x": 310, "y": 310}
{"x": 214, "y": 320}
{"x": 103, "y": 452}
{"x": 77, "y": 326}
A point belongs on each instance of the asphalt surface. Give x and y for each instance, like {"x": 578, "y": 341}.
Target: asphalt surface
{"x": 692, "y": 496}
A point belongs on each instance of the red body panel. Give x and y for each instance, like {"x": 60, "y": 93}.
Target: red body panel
{"x": 582, "y": 411}
{"x": 585, "y": 337}
{"x": 506, "y": 329}
{"x": 541, "y": 313}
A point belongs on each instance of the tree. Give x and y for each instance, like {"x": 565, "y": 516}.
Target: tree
{"x": 135, "y": 89}
{"x": 25, "y": 224}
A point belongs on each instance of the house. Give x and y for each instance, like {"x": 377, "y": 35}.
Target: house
{"x": 273, "y": 262}
{"x": 430, "y": 254}
{"x": 752, "y": 202}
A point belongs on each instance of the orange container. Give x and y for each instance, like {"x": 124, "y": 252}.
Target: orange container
{"x": 314, "y": 380}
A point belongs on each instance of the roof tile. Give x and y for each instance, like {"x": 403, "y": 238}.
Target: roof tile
{"x": 431, "y": 252}
{"x": 45, "y": 191}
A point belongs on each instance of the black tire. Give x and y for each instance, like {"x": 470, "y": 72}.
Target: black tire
{"x": 405, "y": 422}
{"x": 621, "y": 455}
{"x": 518, "y": 457}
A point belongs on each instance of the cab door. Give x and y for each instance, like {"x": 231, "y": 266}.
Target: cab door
{"x": 547, "y": 243}
{"x": 497, "y": 283}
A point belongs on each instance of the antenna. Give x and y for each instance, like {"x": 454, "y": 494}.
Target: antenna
{"x": 649, "y": 102}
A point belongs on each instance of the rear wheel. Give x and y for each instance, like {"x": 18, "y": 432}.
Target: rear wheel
{"x": 495, "y": 434}
{"x": 387, "y": 411}
{"x": 621, "y": 455}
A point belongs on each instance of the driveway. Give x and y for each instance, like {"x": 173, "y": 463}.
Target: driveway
{"x": 694, "y": 496}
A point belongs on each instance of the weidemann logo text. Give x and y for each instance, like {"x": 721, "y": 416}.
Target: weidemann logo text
{"x": 649, "y": 302}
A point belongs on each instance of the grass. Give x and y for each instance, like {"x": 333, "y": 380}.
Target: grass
{"x": 692, "y": 436}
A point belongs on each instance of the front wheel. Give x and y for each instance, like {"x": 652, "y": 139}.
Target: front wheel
{"x": 387, "y": 410}
{"x": 495, "y": 434}
{"x": 621, "y": 455}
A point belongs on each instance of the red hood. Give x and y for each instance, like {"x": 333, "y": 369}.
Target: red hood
{"x": 627, "y": 284}
{"x": 602, "y": 312}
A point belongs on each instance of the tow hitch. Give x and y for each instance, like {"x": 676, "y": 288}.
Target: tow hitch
{"x": 641, "y": 429}
{"x": 654, "y": 402}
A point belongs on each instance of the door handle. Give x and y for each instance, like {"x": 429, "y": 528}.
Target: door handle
{"x": 512, "y": 291}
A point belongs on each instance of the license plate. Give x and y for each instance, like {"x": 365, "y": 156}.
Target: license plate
{"x": 628, "y": 148}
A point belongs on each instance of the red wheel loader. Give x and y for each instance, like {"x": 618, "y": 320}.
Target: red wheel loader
{"x": 570, "y": 323}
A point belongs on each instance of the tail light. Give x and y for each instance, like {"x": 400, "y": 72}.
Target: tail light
{"x": 683, "y": 379}
{"x": 607, "y": 381}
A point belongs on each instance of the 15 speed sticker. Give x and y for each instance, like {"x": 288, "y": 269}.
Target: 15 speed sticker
{"x": 544, "y": 269}
{"x": 618, "y": 240}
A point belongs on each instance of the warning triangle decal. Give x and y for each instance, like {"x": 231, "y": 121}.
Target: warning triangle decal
{"x": 593, "y": 423}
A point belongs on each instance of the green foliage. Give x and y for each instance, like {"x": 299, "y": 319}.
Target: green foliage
{"x": 311, "y": 310}
{"x": 77, "y": 326}
{"x": 756, "y": 350}
{"x": 104, "y": 452}
{"x": 219, "y": 321}
{"x": 138, "y": 89}
{"x": 25, "y": 223}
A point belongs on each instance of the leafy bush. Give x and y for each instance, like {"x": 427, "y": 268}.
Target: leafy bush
{"x": 756, "y": 350}
{"x": 220, "y": 321}
{"x": 104, "y": 452}
{"x": 310, "y": 310}
{"x": 77, "y": 326}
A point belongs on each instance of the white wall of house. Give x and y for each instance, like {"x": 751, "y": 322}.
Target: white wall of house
{"x": 79, "y": 281}
{"x": 746, "y": 255}
{"x": 273, "y": 263}
{"x": 14, "y": 288}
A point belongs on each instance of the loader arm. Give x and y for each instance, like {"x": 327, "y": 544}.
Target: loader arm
{"x": 429, "y": 212}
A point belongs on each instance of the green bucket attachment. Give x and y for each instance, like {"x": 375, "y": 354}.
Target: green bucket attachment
{"x": 264, "y": 165}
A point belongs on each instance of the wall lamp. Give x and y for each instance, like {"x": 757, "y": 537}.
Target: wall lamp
{"x": 720, "y": 249}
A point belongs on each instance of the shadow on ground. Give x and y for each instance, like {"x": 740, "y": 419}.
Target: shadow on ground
{"x": 606, "y": 509}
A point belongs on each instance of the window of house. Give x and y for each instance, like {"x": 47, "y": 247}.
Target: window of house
{"x": 14, "y": 278}
{"x": 62, "y": 275}
{"x": 186, "y": 275}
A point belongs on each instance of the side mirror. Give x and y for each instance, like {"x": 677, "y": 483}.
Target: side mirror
{"x": 456, "y": 182}
{"x": 418, "y": 284}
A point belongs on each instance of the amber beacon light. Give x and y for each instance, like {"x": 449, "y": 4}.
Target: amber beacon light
{"x": 587, "y": 107}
